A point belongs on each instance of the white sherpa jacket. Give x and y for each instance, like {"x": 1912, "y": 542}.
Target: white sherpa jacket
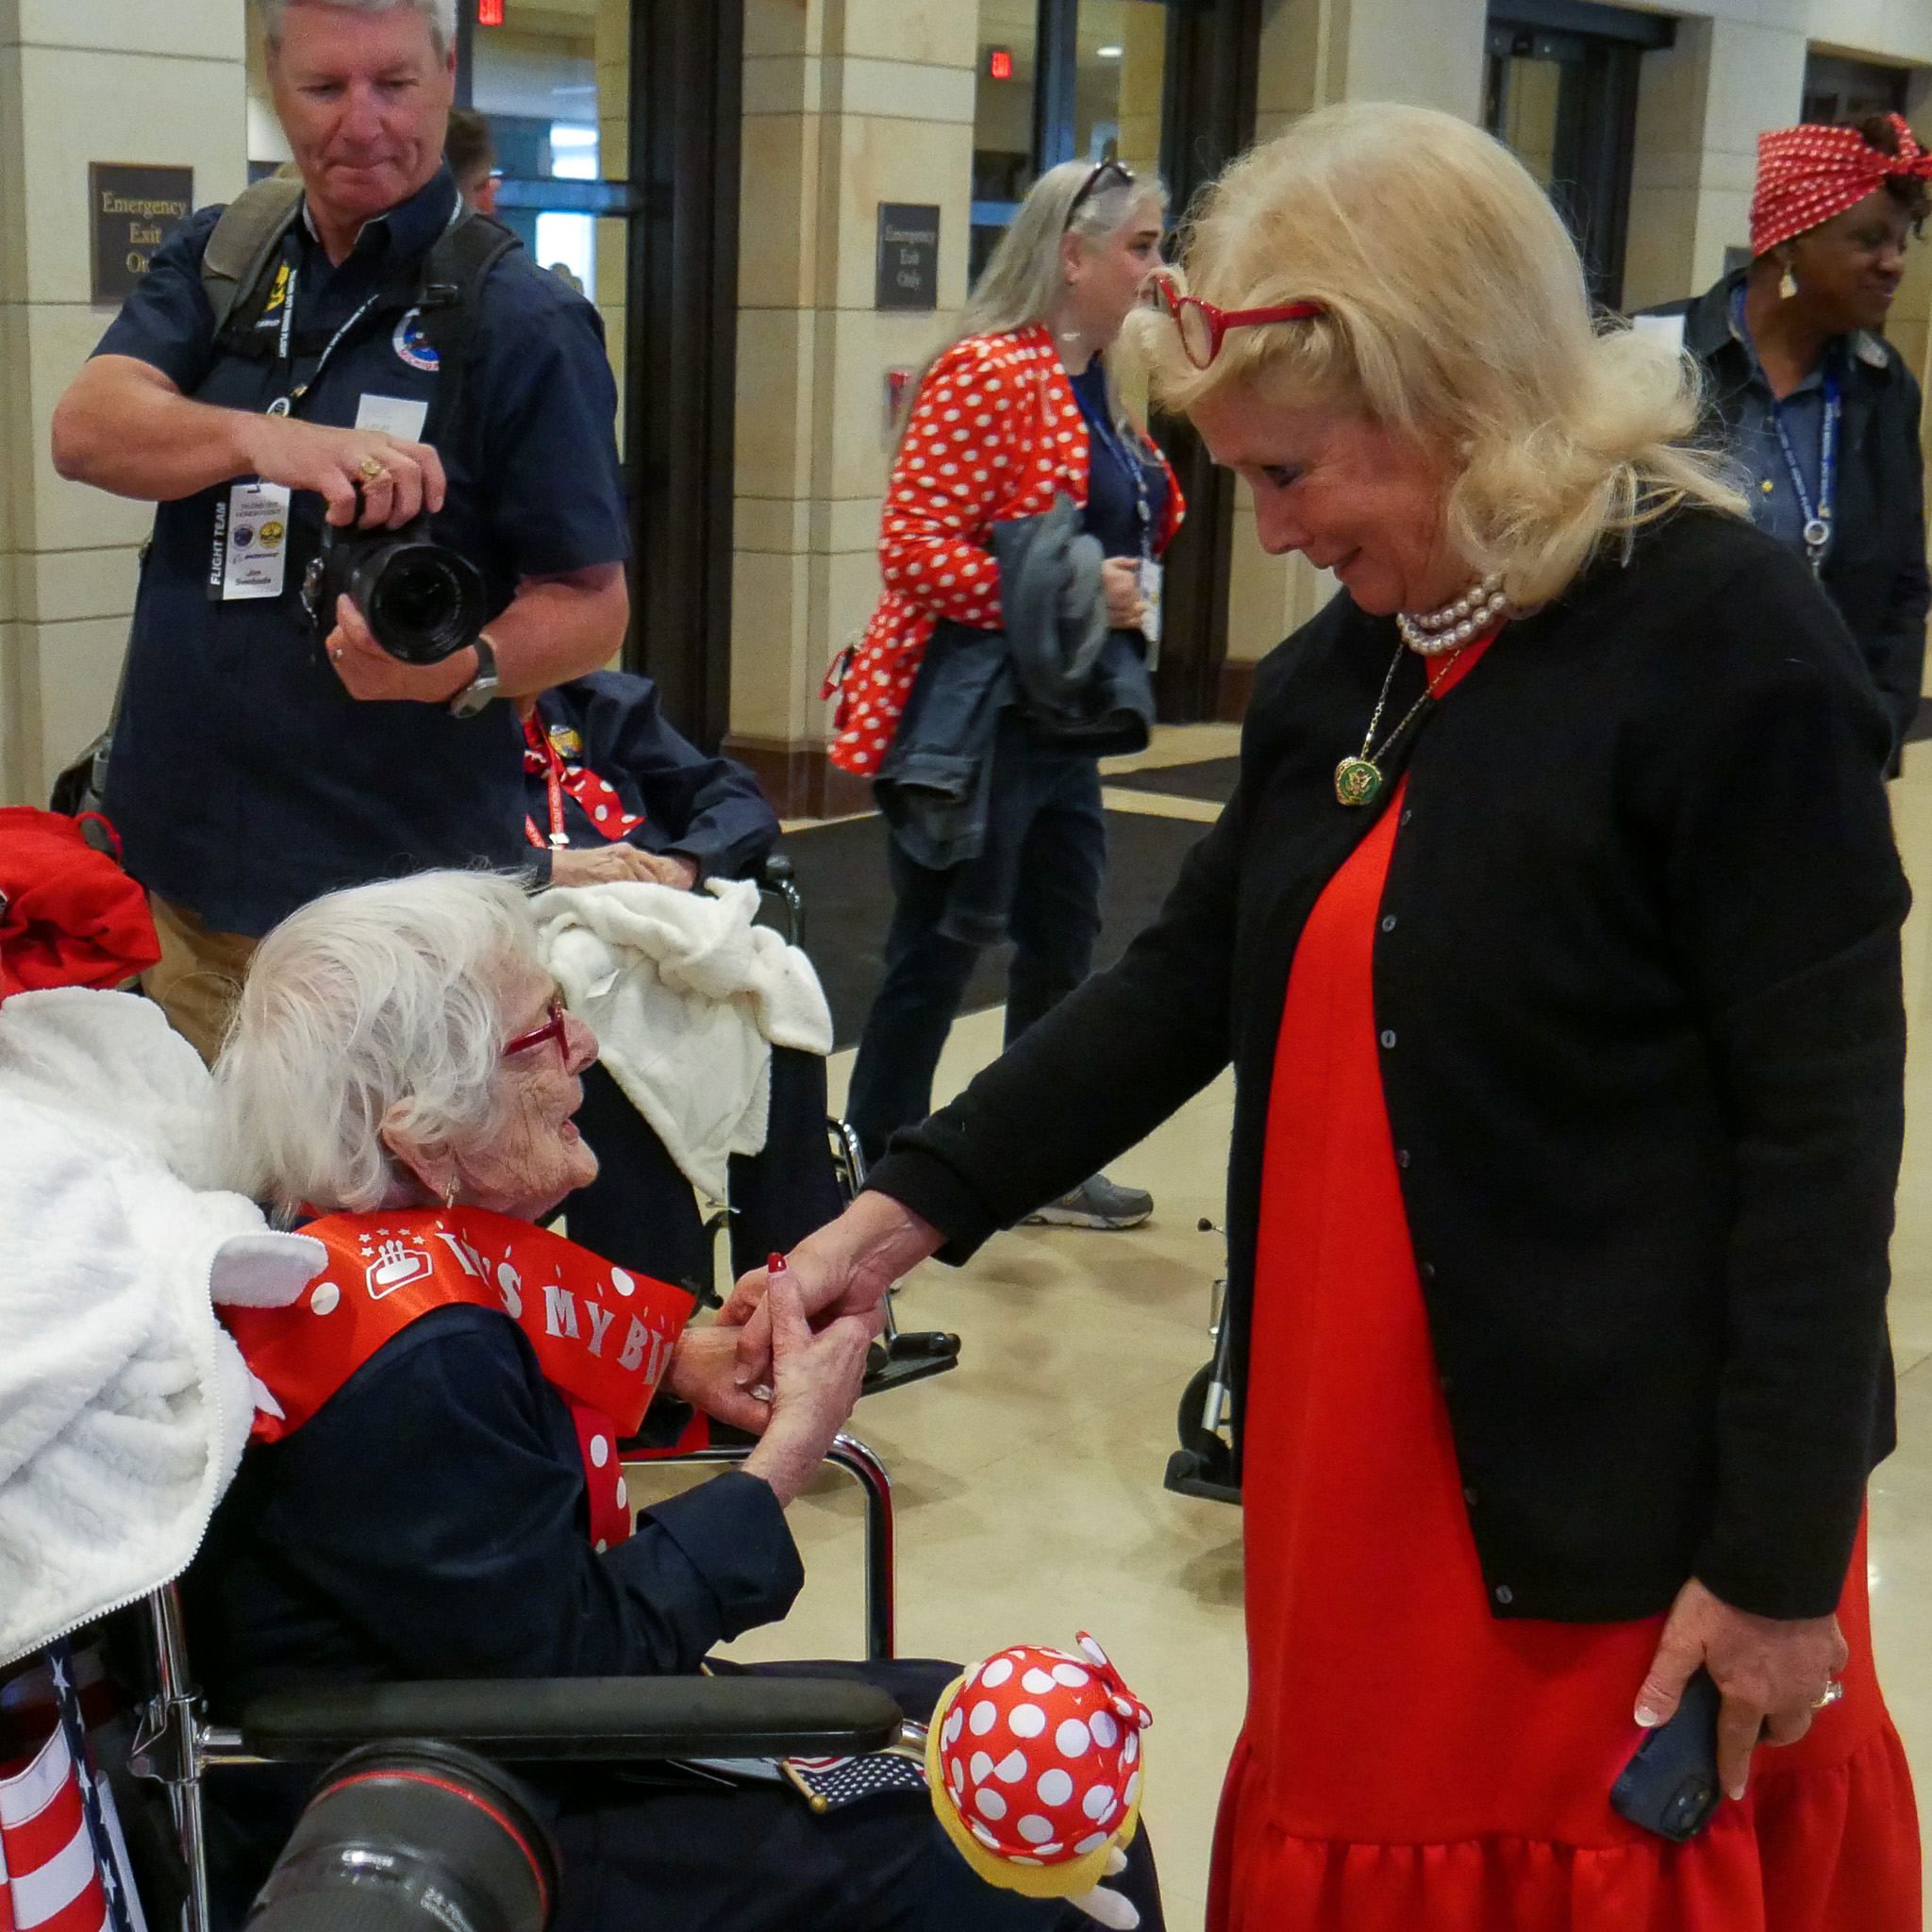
{"x": 687, "y": 997}
{"x": 124, "y": 1404}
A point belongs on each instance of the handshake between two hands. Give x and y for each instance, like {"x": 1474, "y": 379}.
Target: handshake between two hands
{"x": 786, "y": 1356}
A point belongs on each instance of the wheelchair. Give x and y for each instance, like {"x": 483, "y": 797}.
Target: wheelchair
{"x": 516, "y": 1722}
{"x": 1203, "y": 1465}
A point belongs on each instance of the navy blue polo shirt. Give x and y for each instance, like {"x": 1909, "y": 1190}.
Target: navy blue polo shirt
{"x": 244, "y": 780}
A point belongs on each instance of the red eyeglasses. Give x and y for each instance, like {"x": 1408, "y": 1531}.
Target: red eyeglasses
{"x": 553, "y": 1028}
{"x": 1201, "y": 325}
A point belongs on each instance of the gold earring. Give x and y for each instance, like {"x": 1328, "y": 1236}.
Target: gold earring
{"x": 1787, "y": 284}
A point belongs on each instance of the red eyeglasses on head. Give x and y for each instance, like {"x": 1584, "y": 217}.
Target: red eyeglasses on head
{"x": 1201, "y": 325}
{"x": 553, "y": 1028}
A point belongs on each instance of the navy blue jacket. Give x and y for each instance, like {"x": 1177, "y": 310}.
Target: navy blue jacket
{"x": 706, "y": 809}
{"x": 244, "y": 780}
{"x": 430, "y": 1521}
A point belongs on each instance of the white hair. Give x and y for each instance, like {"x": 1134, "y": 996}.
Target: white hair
{"x": 380, "y": 997}
{"x": 441, "y": 14}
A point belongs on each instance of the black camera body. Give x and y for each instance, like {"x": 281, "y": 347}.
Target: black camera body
{"x": 422, "y": 600}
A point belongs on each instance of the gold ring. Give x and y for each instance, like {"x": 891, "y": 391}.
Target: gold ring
{"x": 370, "y": 470}
{"x": 1833, "y": 1689}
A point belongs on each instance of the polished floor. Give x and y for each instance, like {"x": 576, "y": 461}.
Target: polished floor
{"x": 1029, "y": 1480}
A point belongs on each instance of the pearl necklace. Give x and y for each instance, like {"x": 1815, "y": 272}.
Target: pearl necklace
{"x": 1452, "y": 626}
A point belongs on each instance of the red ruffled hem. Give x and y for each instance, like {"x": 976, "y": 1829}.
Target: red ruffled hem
{"x": 1834, "y": 1849}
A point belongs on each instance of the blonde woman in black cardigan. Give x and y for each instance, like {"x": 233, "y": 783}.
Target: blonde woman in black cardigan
{"x": 1553, "y": 932}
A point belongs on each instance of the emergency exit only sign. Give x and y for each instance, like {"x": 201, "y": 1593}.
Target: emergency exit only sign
{"x": 909, "y": 271}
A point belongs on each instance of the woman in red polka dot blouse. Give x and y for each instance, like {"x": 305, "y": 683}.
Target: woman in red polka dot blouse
{"x": 1020, "y": 407}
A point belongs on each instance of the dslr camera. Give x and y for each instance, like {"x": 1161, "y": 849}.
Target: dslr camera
{"x": 422, "y": 600}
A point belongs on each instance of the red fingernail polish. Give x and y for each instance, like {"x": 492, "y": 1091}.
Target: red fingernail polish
{"x": 774, "y": 1264}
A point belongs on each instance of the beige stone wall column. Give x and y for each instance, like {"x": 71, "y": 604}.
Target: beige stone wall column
{"x": 81, "y": 81}
{"x": 847, "y": 104}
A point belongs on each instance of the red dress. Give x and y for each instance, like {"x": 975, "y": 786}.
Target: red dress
{"x": 1409, "y": 1763}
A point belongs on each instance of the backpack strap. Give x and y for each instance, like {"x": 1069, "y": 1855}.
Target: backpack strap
{"x": 245, "y": 240}
{"x": 451, "y": 305}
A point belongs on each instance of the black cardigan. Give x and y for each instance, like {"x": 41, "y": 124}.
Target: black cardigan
{"x": 1875, "y": 569}
{"x": 1643, "y": 1038}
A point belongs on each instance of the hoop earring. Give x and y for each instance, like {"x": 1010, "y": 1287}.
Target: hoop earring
{"x": 1787, "y": 284}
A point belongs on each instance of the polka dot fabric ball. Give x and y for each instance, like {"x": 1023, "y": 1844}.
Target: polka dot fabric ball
{"x": 1040, "y": 1753}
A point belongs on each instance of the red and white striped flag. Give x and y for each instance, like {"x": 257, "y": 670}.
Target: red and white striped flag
{"x": 58, "y": 1853}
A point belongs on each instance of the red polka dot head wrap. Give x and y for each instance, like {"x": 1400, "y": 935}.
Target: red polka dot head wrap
{"x": 1807, "y": 174}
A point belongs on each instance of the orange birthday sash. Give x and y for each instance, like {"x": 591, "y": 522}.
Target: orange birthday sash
{"x": 603, "y": 1337}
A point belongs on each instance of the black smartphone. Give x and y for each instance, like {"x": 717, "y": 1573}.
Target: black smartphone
{"x": 1669, "y": 1785}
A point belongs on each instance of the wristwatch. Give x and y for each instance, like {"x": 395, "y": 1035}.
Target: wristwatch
{"x": 480, "y": 688}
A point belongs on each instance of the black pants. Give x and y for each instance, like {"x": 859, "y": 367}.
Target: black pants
{"x": 1047, "y": 849}
{"x": 640, "y": 1212}
{"x": 756, "y": 1859}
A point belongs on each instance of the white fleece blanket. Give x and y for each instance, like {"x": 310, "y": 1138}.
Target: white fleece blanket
{"x": 124, "y": 1404}
{"x": 687, "y": 997}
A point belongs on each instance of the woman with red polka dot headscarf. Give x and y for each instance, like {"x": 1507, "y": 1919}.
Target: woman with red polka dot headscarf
{"x": 1020, "y": 409}
{"x": 1818, "y": 408}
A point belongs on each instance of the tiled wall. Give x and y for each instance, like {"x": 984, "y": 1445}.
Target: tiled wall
{"x": 847, "y": 104}
{"x": 156, "y": 81}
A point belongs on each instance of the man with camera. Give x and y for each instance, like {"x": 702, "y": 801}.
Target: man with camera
{"x": 309, "y": 696}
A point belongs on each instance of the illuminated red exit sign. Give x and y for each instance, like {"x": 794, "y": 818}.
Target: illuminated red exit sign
{"x": 999, "y": 63}
{"x": 489, "y": 12}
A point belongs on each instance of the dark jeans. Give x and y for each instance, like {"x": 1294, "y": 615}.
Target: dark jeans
{"x": 1046, "y": 853}
{"x": 640, "y": 1212}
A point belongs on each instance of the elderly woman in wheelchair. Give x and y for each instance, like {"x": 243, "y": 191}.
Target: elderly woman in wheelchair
{"x": 434, "y": 1490}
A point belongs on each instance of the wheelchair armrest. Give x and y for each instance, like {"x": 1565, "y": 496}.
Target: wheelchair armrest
{"x": 577, "y": 1718}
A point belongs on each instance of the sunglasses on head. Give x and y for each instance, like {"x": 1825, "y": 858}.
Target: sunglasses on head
{"x": 1203, "y": 326}
{"x": 553, "y": 1028}
{"x": 1119, "y": 171}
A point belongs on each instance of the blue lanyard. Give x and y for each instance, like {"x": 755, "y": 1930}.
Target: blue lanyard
{"x": 1817, "y": 531}
{"x": 1115, "y": 444}
{"x": 1818, "y": 516}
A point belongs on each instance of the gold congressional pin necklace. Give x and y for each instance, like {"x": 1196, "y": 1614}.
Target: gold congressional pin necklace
{"x": 1358, "y": 779}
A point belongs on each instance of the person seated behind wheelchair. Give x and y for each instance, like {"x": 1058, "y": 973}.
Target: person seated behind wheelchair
{"x": 613, "y": 794}
{"x": 432, "y": 1491}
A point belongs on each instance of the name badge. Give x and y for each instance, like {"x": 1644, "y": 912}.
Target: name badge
{"x": 1150, "y": 574}
{"x": 252, "y": 541}
{"x": 394, "y": 416}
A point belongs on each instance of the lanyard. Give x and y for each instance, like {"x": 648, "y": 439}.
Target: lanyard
{"x": 1817, "y": 531}
{"x": 284, "y": 405}
{"x": 539, "y": 741}
{"x": 1115, "y": 444}
{"x": 1818, "y": 516}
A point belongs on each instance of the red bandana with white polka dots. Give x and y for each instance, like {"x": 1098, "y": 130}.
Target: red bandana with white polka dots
{"x": 602, "y": 806}
{"x": 1807, "y": 174}
{"x": 603, "y": 1337}
{"x": 994, "y": 434}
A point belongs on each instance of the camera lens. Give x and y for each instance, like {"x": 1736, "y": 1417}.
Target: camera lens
{"x": 422, "y": 601}
{"x": 413, "y": 1837}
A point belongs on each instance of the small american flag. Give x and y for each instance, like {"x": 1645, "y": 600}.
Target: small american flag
{"x": 63, "y": 1867}
{"x": 830, "y": 1782}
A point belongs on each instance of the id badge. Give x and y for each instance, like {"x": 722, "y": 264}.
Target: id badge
{"x": 1149, "y": 573}
{"x": 397, "y": 416}
{"x": 255, "y": 544}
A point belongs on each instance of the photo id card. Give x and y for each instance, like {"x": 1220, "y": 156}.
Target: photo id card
{"x": 255, "y": 549}
{"x": 1150, "y": 574}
